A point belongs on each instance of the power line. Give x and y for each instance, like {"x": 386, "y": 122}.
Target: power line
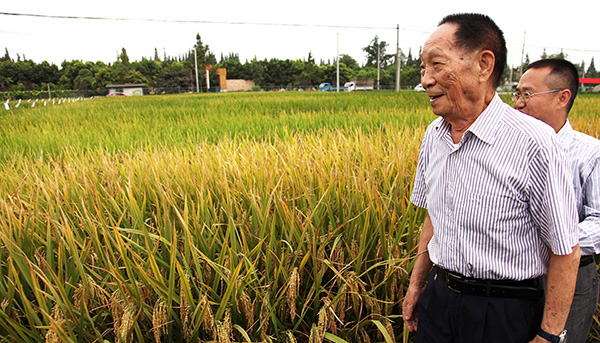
{"x": 205, "y": 22}
{"x": 177, "y": 21}
{"x": 568, "y": 49}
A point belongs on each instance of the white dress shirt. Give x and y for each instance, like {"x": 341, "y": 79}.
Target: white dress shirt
{"x": 499, "y": 198}
{"x": 584, "y": 152}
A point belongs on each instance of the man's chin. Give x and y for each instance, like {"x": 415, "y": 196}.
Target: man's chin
{"x": 438, "y": 111}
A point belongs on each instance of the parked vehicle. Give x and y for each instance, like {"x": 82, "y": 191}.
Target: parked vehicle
{"x": 116, "y": 94}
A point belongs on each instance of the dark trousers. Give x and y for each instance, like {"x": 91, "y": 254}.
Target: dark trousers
{"x": 447, "y": 316}
{"x": 585, "y": 301}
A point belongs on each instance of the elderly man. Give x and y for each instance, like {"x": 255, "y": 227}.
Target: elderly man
{"x": 547, "y": 92}
{"x": 501, "y": 210}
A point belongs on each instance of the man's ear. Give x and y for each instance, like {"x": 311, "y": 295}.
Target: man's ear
{"x": 486, "y": 61}
{"x": 563, "y": 97}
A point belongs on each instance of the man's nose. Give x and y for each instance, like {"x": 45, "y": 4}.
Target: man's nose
{"x": 426, "y": 79}
{"x": 519, "y": 103}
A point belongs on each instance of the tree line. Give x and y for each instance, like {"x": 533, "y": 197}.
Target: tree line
{"x": 175, "y": 74}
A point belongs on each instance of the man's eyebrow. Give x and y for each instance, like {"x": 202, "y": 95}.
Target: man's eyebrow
{"x": 524, "y": 88}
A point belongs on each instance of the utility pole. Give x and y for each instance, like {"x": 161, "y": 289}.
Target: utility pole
{"x": 378, "y": 45}
{"x": 196, "y": 63}
{"x": 522, "y": 53}
{"x": 337, "y": 84}
{"x": 510, "y": 82}
{"x": 398, "y": 62}
{"x": 582, "y": 74}
{"x": 207, "y": 79}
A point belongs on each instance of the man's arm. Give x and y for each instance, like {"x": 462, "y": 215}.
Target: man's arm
{"x": 560, "y": 286}
{"x": 418, "y": 277}
{"x": 589, "y": 227}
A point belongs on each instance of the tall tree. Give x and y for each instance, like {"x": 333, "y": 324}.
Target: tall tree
{"x": 231, "y": 57}
{"x": 591, "y": 71}
{"x": 349, "y": 62}
{"x": 205, "y": 57}
{"x": 123, "y": 58}
{"x": 6, "y": 56}
{"x": 376, "y": 50}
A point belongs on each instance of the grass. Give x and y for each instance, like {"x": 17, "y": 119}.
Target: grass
{"x": 121, "y": 124}
{"x": 262, "y": 217}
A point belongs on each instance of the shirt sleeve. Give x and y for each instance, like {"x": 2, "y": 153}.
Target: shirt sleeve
{"x": 420, "y": 189}
{"x": 589, "y": 225}
{"x": 552, "y": 201}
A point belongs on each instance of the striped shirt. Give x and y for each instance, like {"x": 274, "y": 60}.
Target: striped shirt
{"x": 499, "y": 198}
{"x": 584, "y": 152}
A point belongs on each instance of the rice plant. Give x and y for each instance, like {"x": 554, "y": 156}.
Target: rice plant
{"x": 235, "y": 218}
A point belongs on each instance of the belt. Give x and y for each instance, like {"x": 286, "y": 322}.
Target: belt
{"x": 491, "y": 288}
{"x": 585, "y": 260}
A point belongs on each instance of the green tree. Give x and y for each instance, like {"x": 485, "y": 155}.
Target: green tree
{"x": 591, "y": 71}
{"x": 123, "y": 57}
{"x": 24, "y": 73}
{"x": 104, "y": 76}
{"x": 410, "y": 75}
{"x": 231, "y": 57}
{"x": 257, "y": 70}
{"x": 310, "y": 74}
{"x": 6, "y": 56}
{"x": 205, "y": 57}
{"x": 70, "y": 70}
{"x": 7, "y": 75}
{"x": 349, "y": 62}
{"x": 45, "y": 73}
{"x": 134, "y": 76}
{"x": 235, "y": 70}
{"x": 175, "y": 75}
{"x": 149, "y": 69}
{"x": 373, "y": 52}
{"x": 330, "y": 73}
{"x": 280, "y": 73}
{"x": 84, "y": 80}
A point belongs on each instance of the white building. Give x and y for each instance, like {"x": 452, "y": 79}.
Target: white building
{"x": 127, "y": 89}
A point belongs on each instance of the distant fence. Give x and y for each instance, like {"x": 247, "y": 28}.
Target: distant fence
{"x": 25, "y": 95}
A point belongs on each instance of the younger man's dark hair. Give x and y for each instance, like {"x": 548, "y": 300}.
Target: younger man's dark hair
{"x": 563, "y": 75}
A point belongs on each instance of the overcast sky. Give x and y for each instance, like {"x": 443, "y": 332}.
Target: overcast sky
{"x": 295, "y": 28}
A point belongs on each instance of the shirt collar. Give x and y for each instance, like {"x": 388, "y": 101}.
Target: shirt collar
{"x": 485, "y": 126}
{"x": 566, "y": 133}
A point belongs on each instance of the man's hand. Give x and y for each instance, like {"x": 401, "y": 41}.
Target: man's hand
{"x": 560, "y": 286}
{"x": 410, "y": 313}
{"x": 418, "y": 278}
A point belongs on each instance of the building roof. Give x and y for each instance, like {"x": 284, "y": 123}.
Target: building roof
{"x": 128, "y": 85}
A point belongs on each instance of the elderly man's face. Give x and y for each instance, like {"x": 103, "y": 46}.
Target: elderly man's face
{"x": 447, "y": 73}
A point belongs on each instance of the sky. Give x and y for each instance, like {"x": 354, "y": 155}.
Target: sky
{"x": 283, "y": 29}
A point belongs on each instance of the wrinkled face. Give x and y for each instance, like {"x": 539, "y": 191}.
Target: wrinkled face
{"x": 540, "y": 106}
{"x": 447, "y": 73}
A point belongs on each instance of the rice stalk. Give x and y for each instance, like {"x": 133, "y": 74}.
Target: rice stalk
{"x": 159, "y": 320}
{"x": 292, "y": 292}
{"x": 127, "y": 322}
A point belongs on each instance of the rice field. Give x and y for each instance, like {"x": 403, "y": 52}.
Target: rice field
{"x": 257, "y": 217}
